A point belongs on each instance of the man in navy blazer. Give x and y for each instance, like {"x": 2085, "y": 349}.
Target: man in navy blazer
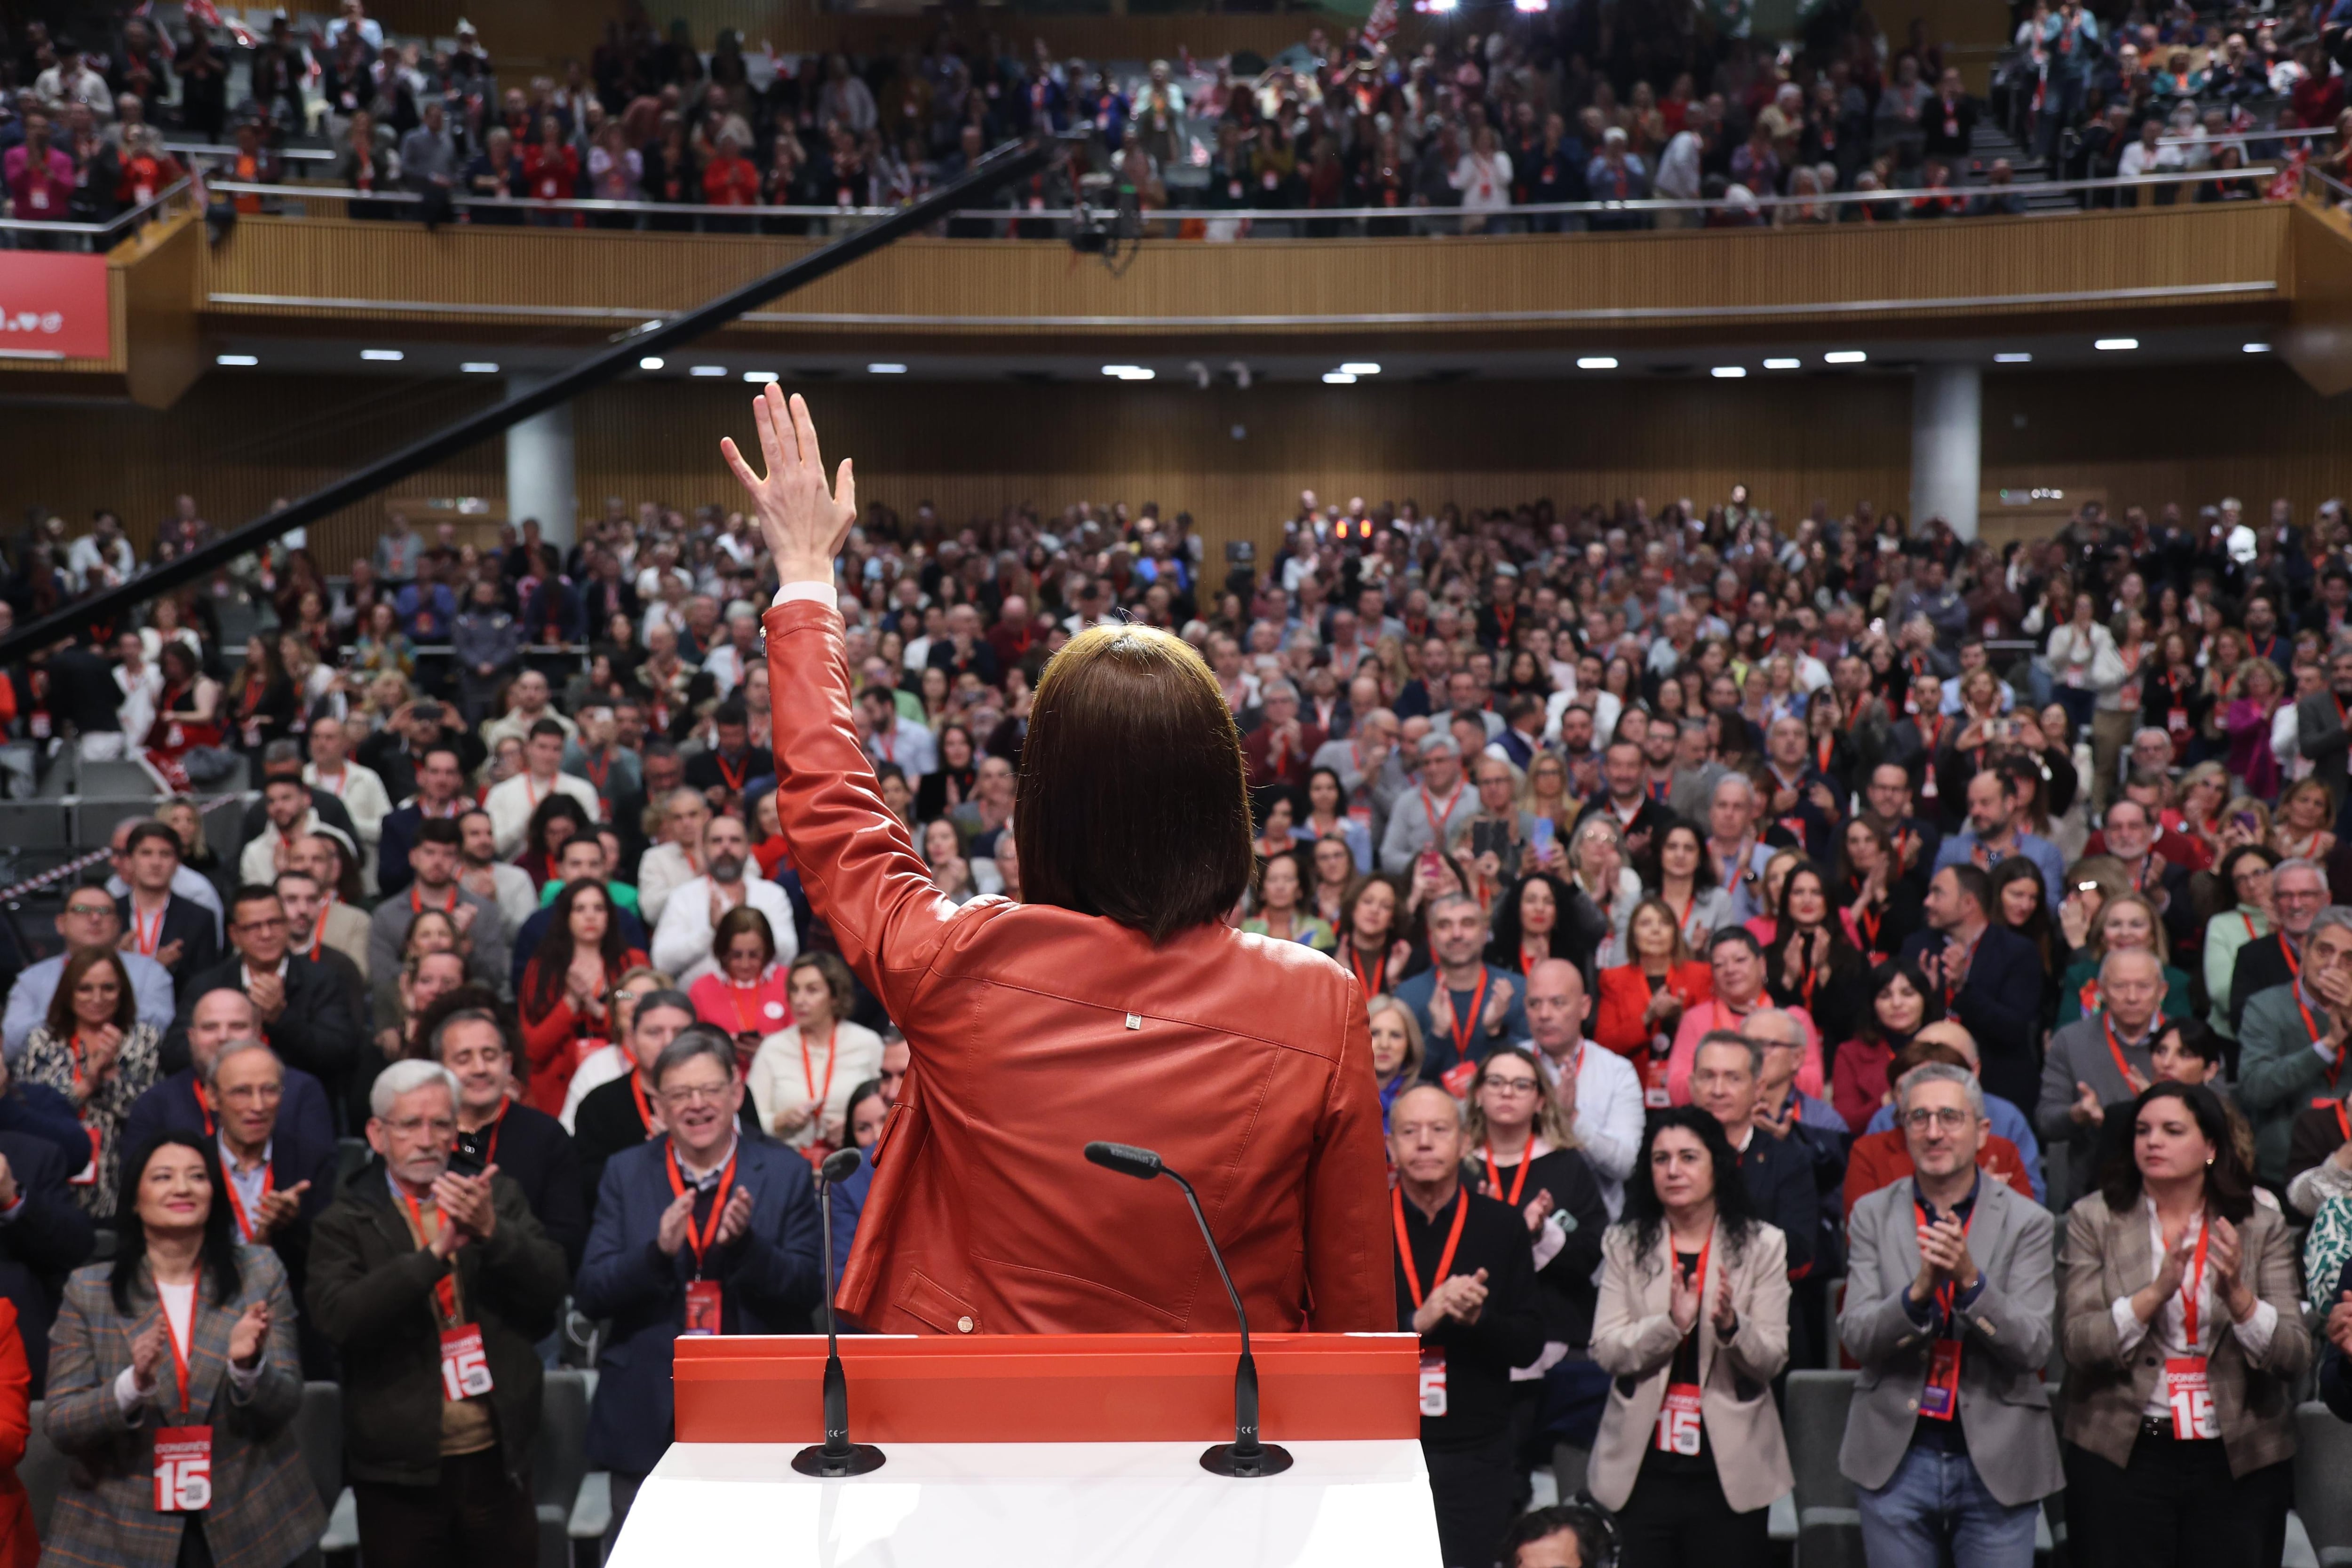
{"x": 704, "y": 1211}
{"x": 1989, "y": 976}
{"x": 305, "y": 1133}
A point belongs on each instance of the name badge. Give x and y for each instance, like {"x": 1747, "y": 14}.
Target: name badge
{"x": 1433, "y": 1382}
{"x": 702, "y": 1301}
{"x": 2191, "y": 1395}
{"x": 1940, "y": 1399}
{"x": 1680, "y": 1428}
{"x": 183, "y": 1470}
{"x": 464, "y": 1367}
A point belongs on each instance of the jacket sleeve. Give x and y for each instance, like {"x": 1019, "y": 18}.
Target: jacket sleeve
{"x": 50, "y": 1234}
{"x": 1574, "y": 1262}
{"x": 276, "y": 1395}
{"x": 779, "y": 1268}
{"x": 617, "y": 1275}
{"x": 519, "y": 1268}
{"x": 79, "y": 1412}
{"x": 2007, "y": 1008}
{"x": 1509, "y": 1331}
{"x": 1873, "y": 1323}
{"x": 1759, "y": 1347}
{"x": 351, "y": 1301}
{"x": 1626, "y": 1341}
{"x": 2272, "y": 1277}
{"x": 1351, "y": 1277}
{"x": 682, "y": 937}
{"x": 2014, "y": 1315}
{"x": 317, "y": 1032}
{"x": 2053, "y": 1111}
{"x": 2277, "y": 1065}
{"x": 15, "y": 1390}
{"x": 2089, "y": 1329}
{"x": 544, "y": 1036}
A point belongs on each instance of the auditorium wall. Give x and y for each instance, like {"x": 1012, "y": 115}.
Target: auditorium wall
{"x": 1236, "y": 460}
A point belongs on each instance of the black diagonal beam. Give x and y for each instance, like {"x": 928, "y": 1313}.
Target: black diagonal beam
{"x": 1008, "y": 163}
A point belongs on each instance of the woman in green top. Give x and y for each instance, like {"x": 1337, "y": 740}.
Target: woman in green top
{"x": 2125, "y": 922}
{"x": 1280, "y": 908}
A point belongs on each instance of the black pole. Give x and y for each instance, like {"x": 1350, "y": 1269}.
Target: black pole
{"x": 1008, "y": 163}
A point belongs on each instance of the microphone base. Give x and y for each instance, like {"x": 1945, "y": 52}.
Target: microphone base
{"x": 1271, "y": 1460}
{"x": 863, "y": 1458}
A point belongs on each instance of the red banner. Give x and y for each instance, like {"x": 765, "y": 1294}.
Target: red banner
{"x": 53, "y": 306}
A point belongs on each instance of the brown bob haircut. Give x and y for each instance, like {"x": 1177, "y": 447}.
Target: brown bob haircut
{"x": 1134, "y": 803}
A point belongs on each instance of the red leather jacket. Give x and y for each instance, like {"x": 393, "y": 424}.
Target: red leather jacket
{"x": 1247, "y": 1063}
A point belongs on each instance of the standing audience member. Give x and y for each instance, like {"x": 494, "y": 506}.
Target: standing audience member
{"x": 684, "y": 937}
{"x": 800, "y": 1079}
{"x": 1983, "y": 974}
{"x": 95, "y": 1052}
{"x": 305, "y": 1014}
{"x": 2292, "y": 1041}
{"x": 1597, "y": 1090}
{"x": 525, "y": 1144}
{"x": 563, "y": 994}
{"x": 2099, "y": 1062}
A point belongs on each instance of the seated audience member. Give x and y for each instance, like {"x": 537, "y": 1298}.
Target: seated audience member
{"x": 2291, "y": 1042}
{"x": 481, "y": 871}
{"x": 581, "y": 859}
{"x": 44, "y": 1234}
{"x": 93, "y": 1050}
{"x": 1464, "y": 1006}
{"x": 282, "y": 759}
{"x": 306, "y": 1016}
{"x": 410, "y": 1250}
{"x": 700, "y": 1231}
{"x": 601, "y": 1067}
{"x": 174, "y": 931}
{"x": 2011, "y": 1127}
{"x": 440, "y": 796}
{"x": 1997, "y": 829}
{"x": 434, "y": 857}
{"x": 513, "y": 804}
{"x": 1465, "y": 1282}
{"x": 2124, "y": 920}
{"x": 495, "y": 1130}
{"x": 2298, "y": 892}
{"x": 1596, "y": 1090}
{"x": 1523, "y": 1152}
{"x": 745, "y": 997}
{"x": 562, "y": 998}
{"x": 2177, "y": 1283}
{"x": 2098, "y": 1062}
{"x": 289, "y": 815}
{"x": 731, "y": 761}
{"x": 1690, "y": 1453}
{"x": 1880, "y": 1156}
{"x": 1643, "y": 1000}
{"x": 180, "y": 1291}
{"x": 89, "y": 922}
{"x": 1986, "y": 976}
{"x": 184, "y": 1103}
{"x": 624, "y": 1113}
{"x": 280, "y": 1172}
{"x": 690, "y": 920}
{"x": 342, "y": 924}
{"x": 357, "y": 786}
{"x": 1735, "y": 965}
{"x": 800, "y": 1077}
{"x": 677, "y": 820}
{"x": 1949, "y": 1308}
{"x": 1565, "y": 1535}
{"x": 1397, "y": 1051}
{"x": 298, "y": 894}
{"x": 188, "y": 881}
{"x": 1897, "y": 1005}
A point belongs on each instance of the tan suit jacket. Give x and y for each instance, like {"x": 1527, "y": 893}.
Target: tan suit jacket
{"x": 2107, "y": 1256}
{"x": 1634, "y": 1339}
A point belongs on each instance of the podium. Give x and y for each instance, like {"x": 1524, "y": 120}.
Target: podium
{"x": 1070, "y": 1449}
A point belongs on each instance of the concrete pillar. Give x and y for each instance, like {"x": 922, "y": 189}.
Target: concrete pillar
{"x": 1947, "y": 445}
{"x": 539, "y": 468}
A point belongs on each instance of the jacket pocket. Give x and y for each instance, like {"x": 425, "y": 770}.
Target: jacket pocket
{"x": 935, "y": 1307}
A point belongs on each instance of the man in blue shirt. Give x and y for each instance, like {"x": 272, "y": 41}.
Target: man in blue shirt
{"x": 1993, "y": 835}
{"x": 1480, "y": 1005}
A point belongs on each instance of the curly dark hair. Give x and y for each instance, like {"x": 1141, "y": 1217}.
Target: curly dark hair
{"x": 2229, "y": 1185}
{"x": 1645, "y": 1217}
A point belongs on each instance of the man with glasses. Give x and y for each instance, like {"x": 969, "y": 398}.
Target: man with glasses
{"x": 188, "y": 1101}
{"x": 495, "y": 1128}
{"x": 2298, "y": 892}
{"x": 701, "y": 1231}
{"x": 1949, "y": 1300}
{"x": 2291, "y": 1051}
{"x": 436, "y": 1287}
{"x": 89, "y": 920}
{"x": 305, "y": 1013}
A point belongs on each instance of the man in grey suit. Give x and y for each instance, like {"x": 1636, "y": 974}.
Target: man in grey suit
{"x": 2094, "y": 1062}
{"x": 2320, "y": 734}
{"x": 1950, "y": 1304}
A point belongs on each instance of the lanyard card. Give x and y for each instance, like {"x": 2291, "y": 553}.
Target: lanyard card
{"x": 702, "y": 1304}
{"x": 2191, "y": 1394}
{"x": 464, "y": 1367}
{"x": 183, "y": 1470}
{"x": 1433, "y": 1382}
{"x": 1680, "y": 1424}
{"x": 1939, "y": 1400}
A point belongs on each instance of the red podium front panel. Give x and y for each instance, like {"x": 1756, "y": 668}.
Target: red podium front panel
{"x": 1048, "y": 1388}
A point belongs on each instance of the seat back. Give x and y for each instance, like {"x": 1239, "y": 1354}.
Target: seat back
{"x": 559, "y": 1457}
{"x": 318, "y": 1427}
{"x": 1814, "y": 1413}
{"x": 2323, "y": 1457}
{"x": 42, "y": 1470}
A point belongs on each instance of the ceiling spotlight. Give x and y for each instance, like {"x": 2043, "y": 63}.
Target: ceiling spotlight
{"x": 1728, "y": 372}
{"x": 1360, "y": 368}
{"x": 386, "y": 356}
{"x": 760, "y": 378}
{"x": 650, "y": 363}
{"x": 886, "y": 369}
{"x": 1784, "y": 364}
{"x": 708, "y": 371}
{"x": 237, "y": 360}
{"x": 2257, "y": 348}
{"x": 478, "y": 368}
{"x": 1596, "y": 363}
{"x": 1844, "y": 357}
{"x": 2113, "y": 345}
{"x": 2012, "y": 358}
{"x": 1129, "y": 372}
{"x": 1338, "y": 377}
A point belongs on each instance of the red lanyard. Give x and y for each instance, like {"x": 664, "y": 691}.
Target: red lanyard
{"x": 2335, "y": 1068}
{"x": 204, "y": 1109}
{"x": 1437, "y": 821}
{"x": 702, "y": 1242}
{"x": 2116, "y": 1049}
{"x": 236, "y": 1204}
{"x": 180, "y": 1352}
{"x": 2191, "y": 1287}
{"x": 832, "y": 1059}
{"x": 1682, "y": 921}
{"x": 145, "y": 939}
{"x": 1371, "y": 982}
{"x": 416, "y": 900}
{"x": 2294, "y": 965}
{"x": 734, "y": 776}
{"x": 735, "y": 995}
{"x": 1495, "y": 1177}
{"x": 445, "y": 1289}
{"x": 490, "y": 1149}
{"x": 1444, "y": 1259}
{"x": 644, "y": 1111}
{"x": 1478, "y": 1005}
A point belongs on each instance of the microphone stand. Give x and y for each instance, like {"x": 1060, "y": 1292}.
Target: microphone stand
{"x": 1245, "y": 1458}
{"x": 836, "y": 1458}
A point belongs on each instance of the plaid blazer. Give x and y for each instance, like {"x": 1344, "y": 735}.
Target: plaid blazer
{"x": 265, "y": 1509}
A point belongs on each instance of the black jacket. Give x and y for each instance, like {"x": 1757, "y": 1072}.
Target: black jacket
{"x": 1509, "y": 1332}
{"x": 318, "y": 1032}
{"x": 2001, "y": 1005}
{"x": 187, "y": 922}
{"x": 48, "y": 1239}
{"x": 607, "y": 1124}
{"x": 2262, "y": 963}
{"x": 1566, "y": 1291}
{"x": 372, "y": 1294}
{"x": 532, "y": 1147}
{"x": 1780, "y": 1185}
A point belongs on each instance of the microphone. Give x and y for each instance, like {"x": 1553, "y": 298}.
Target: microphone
{"x": 1244, "y": 1458}
{"x": 836, "y": 1457}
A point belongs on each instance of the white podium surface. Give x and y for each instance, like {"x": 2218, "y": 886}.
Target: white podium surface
{"x": 1023, "y": 1505}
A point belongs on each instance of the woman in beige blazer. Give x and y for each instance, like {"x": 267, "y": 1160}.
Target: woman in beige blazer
{"x": 1693, "y": 1326}
{"x": 2184, "y": 1350}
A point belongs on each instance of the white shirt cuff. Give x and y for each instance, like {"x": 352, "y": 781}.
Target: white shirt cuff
{"x": 2327, "y": 1051}
{"x": 1550, "y": 1242}
{"x": 2254, "y": 1334}
{"x": 818, "y": 592}
{"x": 126, "y": 1391}
{"x": 2129, "y": 1330}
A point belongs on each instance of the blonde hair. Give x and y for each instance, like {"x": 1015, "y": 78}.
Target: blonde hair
{"x": 1415, "y": 1051}
{"x": 1551, "y": 1123}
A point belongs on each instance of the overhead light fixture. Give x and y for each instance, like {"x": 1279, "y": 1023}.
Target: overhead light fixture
{"x": 237, "y": 358}
{"x": 1360, "y": 368}
{"x": 2012, "y": 358}
{"x": 2257, "y": 348}
{"x": 386, "y": 356}
{"x": 1129, "y": 372}
{"x": 1338, "y": 377}
{"x": 1784, "y": 364}
{"x": 1844, "y": 357}
{"x": 1728, "y": 372}
{"x": 2115, "y": 345}
{"x": 478, "y": 368}
{"x": 760, "y": 378}
{"x": 1596, "y": 363}
{"x": 886, "y": 369}
{"x": 1533, "y": 7}
{"x": 708, "y": 371}
{"x": 650, "y": 363}
{"x": 1438, "y": 7}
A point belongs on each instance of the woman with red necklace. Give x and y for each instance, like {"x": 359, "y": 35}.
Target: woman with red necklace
{"x": 803, "y": 1075}
{"x": 745, "y": 998}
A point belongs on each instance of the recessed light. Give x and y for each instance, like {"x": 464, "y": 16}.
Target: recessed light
{"x": 1844, "y": 357}
{"x": 1360, "y": 368}
{"x": 2012, "y": 358}
{"x": 2113, "y": 345}
{"x": 1338, "y": 377}
{"x": 650, "y": 363}
{"x": 1596, "y": 363}
{"x": 760, "y": 378}
{"x": 1129, "y": 372}
{"x": 478, "y": 368}
{"x": 708, "y": 371}
{"x": 1784, "y": 364}
{"x": 388, "y": 355}
{"x": 237, "y": 360}
{"x": 1728, "y": 372}
{"x": 886, "y": 369}
{"x": 2257, "y": 348}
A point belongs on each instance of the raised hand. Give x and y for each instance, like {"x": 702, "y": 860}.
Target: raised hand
{"x": 1441, "y": 1012}
{"x": 250, "y": 1337}
{"x": 802, "y": 522}
{"x": 147, "y": 1352}
{"x": 736, "y": 1217}
{"x": 1727, "y": 1316}
{"x": 1539, "y": 1209}
{"x": 676, "y": 1221}
{"x": 278, "y": 1208}
{"x": 1681, "y": 1302}
{"x": 2086, "y": 1111}
{"x": 1498, "y": 1006}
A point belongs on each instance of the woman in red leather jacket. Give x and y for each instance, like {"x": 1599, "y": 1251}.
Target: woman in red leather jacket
{"x": 1115, "y": 1002}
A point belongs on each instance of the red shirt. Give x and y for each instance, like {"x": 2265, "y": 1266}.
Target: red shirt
{"x": 731, "y": 182}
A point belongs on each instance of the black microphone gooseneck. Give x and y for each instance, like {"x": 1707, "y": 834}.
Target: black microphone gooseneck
{"x": 836, "y": 1457}
{"x": 1244, "y": 1458}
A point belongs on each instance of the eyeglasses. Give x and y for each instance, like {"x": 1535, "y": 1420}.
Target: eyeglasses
{"x": 1512, "y": 1085}
{"x": 696, "y": 1094}
{"x": 90, "y": 911}
{"x": 273, "y": 924}
{"x": 256, "y": 1094}
{"x": 1946, "y": 1118}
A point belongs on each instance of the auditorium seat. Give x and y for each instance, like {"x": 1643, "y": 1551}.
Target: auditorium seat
{"x": 1829, "y": 1531}
{"x": 558, "y": 1461}
{"x": 318, "y": 1427}
{"x": 2323, "y": 1458}
{"x": 42, "y": 1470}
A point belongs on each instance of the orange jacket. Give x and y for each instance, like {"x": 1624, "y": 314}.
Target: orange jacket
{"x": 551, "y": 1039}
{"x": 1625, "y": 997}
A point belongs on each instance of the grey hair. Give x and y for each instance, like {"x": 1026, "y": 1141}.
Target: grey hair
{"x": 469, "y": 1015}
{"x": 2299, "y": 863}
{"x": 1278, "y": 689}
{"x": 668, "y": 997}
{"x": 2156, "y": 958}
{"x": 2336, "y": 915}
{"x": 1755, "y": 1048}
{"x": 211, "y": 1070}
{"x": 1735, "y": 776}
{"x": 1941, "y": 1072}
{"x": 1761, "y": 1014}
{"x": 696, "y": 1039}
{"x": 1443, "y": 899}
{"x": 406, "y": 1078}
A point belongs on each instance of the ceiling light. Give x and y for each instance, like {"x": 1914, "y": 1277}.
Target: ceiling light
{"x": 1338, "y": 377}
{"x": 2257, "y": 348}
{"x": 237, "y": 360}
{"x": 1728, "y": 372}
{"x": 1360, "y": 368}
{"x": 478, "y": 368}
{"x": 708, "y": 371}
{"x": 650, "y": 363}
{"x": 388, "y": 355}
{"x": 1783, "y": 364}
{"x": 1844, "y": 357}
{"x": 760, "y": 378}
{"x": 1129, "y": 372}
{"x": 1596, "y": 363}
{"x": 2012, "y": 358}
{"x": 886, "y": 369}
{"x": 2114, "y": 344}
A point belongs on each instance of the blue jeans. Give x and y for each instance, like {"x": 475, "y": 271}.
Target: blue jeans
{"x": 1935, "y": 1510}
